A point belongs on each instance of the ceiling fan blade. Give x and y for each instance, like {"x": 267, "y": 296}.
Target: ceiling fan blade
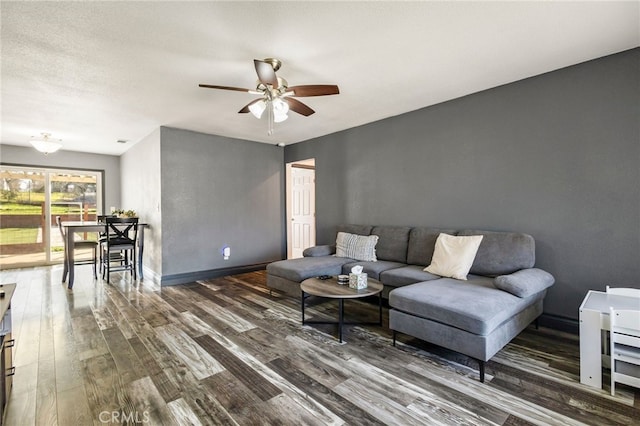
{"x": 314, "y": 90}
{"x": 246, "y": 107}
{"x": 265, "y": 72}
{"x": 297, "y": 106}
{"x": 210, "y": 86}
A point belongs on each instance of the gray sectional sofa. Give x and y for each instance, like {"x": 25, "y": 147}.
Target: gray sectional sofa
{"x": 502, "y": 295}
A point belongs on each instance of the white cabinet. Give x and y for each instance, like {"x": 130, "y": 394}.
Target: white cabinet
{"x": 594, "y": 319}
{"x": 7, "y": 370}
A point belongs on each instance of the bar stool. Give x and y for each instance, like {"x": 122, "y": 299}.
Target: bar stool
{"x": 119, "y": 246}
{"x": 77, "y": 244}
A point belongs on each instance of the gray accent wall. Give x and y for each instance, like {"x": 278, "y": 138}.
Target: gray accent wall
{"x": 218, "y": 191}
{"x": 556, "y": 156}
{"x": 27, "y": 156}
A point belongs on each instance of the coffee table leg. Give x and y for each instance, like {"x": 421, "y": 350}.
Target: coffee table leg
{"x": 380, "y": 307}
{"x": 302, "y": 304}
{"x": 340, "y": 318}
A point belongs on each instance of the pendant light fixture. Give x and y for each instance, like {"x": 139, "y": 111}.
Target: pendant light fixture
{"x": 46, "y": 145}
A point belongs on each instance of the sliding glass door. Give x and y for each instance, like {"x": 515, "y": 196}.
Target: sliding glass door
{"x": 30, "y": 201}
{"x": 22, "y": 217}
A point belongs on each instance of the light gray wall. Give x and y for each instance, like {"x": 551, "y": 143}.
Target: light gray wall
{"x": 218, "y": 191}
{"x": 556, "y": 156}
{"x": 27, "y": 156}
{"x": 141, "y": 191}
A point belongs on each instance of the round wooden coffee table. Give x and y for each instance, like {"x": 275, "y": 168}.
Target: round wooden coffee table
{"x": 330, "y": 289}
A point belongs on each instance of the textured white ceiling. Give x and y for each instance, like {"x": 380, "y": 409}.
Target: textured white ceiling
{"x": 91, "y": 73}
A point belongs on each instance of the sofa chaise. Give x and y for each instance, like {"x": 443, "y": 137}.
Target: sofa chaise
{"x": 503, "y": 293}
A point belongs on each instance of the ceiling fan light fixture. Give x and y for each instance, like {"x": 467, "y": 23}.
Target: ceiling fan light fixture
{"x": 279, "y": 118}
{"x": 258, "y": 108}
{"x": 280, "y": 110}
{"x": 46, "y": 145}
{"x": 280, "y": 106}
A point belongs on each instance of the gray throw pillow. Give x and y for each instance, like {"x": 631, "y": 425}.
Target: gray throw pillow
{"x": 358, "y": 247}
{"x": 524, "y": 282}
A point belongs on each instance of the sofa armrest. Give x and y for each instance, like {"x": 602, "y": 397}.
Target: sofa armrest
{"x": 525, "y": 282}
{"x": 316, "y": 251}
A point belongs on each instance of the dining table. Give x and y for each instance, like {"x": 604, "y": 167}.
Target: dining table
{"x": 74, "y": 227}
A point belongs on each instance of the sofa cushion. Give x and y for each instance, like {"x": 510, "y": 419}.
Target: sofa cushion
{"x": 307, "y": 267}
{"x": 373, "y": 269}
{"x": 421, "y": 244}
{"x": 502, "y": 253}
{"x": 405, "y": 275}
{"x": 355, "y": 229}
{"x": 525, "y": 282}
{"x": 323, "y": 250}
{"x": 454, "y": 255}
{"x": 393, "y": 242}
{"x": 359, "y": 247}
{"x": 475, "y": 305}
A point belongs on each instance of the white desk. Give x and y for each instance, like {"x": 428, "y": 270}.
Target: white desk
{"x": 594, "y": 317}
{"x": 72, "y": 227}
{"x": 6, "y": 343}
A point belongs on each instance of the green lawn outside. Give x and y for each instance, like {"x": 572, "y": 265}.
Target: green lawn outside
{"x": 20, "y": 205}
{"x": 34, "y": 197}
{"x": 10, "y": 236}
{"x": 18, "y": 208}
{"x": 19, "y": 235}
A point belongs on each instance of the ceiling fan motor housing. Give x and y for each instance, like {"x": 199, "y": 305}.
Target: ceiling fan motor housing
{"x": 275, "y": 63}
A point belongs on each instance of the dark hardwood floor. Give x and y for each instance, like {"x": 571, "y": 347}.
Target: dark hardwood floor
{"x": 226, "y": 352}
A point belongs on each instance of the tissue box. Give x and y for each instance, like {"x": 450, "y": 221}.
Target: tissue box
{"x": 358, "y": 281}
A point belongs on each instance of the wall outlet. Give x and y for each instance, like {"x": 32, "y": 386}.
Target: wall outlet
{"x": 226, "y": 252}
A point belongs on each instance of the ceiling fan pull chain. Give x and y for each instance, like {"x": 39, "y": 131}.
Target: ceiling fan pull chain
{"x": 270, "y": 118}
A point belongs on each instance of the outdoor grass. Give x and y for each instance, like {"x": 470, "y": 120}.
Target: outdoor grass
{"x": 18, "y": 235}
{"x": 26, "y": 209}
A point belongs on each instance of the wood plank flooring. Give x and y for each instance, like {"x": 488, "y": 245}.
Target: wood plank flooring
{"x": 226, "y": 352}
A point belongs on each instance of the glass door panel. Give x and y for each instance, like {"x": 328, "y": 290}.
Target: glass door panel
{"x": 23, "y": 230}
{"x": 73, "y": 198}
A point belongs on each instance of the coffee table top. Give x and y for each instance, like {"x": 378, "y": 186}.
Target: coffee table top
{"x": 331, "y": 289}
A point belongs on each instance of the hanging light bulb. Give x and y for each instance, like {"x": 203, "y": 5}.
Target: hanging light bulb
{"x": 280, "y": 106}
{"x": 258, "y": 108}
{"x": 280, "y": 109}
{"x": 279, "y": 118}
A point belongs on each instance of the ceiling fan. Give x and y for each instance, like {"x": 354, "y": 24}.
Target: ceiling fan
{"x": 277, "y": 98}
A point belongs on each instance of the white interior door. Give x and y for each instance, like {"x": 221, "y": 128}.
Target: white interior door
{"x": 302, "y": 217}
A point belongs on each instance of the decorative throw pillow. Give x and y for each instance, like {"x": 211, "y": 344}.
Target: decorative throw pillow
{"x": 453, "y": 256}
{"x": 525, "y": 282}
{"x": 358, "y": 247}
